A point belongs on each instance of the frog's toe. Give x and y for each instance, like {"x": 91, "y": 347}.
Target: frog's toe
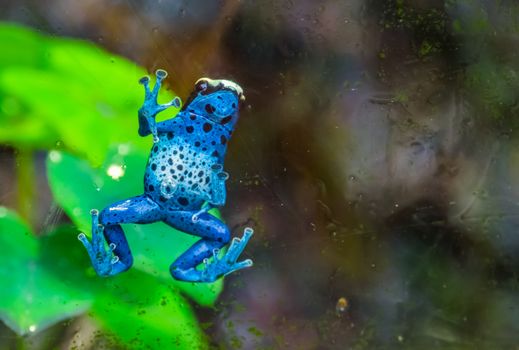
{"x": 240, "y": 265}
{"x": 145, "y": 80}
{"x": 86, "y": 243}
{"x": 176, "y": 102}
{"x": 161, "y": 74}
{"x": 83, "y": 238}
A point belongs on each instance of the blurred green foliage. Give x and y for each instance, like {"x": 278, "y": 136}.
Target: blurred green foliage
{"x": 475, "y": 40}
{"x": 67, "y": 93}
{"x": 80, "y": 103}
{"x": 428, "y": 27}
{"x": 32, "y": 297}
{"x": 49, "y": 279}
{"x": 490, "y": 55}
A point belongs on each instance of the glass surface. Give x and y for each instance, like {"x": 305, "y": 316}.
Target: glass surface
{"x": 376, "y": 158}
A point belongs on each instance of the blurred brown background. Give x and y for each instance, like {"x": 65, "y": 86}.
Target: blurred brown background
{"x": 365, "y": 158}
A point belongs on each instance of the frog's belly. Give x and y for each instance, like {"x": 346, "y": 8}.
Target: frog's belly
{"x": 179, "y": 178}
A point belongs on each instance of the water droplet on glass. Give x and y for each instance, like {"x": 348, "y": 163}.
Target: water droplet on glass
{"x": 55, "y": 156}
{"x": 342, "y": 305}
{"x": 115, "y": 171}
{"x": 123, "y": 149}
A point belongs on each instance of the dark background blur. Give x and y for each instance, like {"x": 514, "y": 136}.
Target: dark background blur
{"x": 376, "y": 158}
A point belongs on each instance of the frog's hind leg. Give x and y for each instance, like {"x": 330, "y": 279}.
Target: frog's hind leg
{"x": 109, "y": 250}
{"x": 215, "y": 235}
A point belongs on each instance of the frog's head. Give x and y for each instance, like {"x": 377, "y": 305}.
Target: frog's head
{"x": 216, "y": 100}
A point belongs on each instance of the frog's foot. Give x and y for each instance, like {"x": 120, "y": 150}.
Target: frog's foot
{"x": 150, "y": 107}
{"x": 221, "y": 266}
{"x": 218, "y": 185}
{"x": 104, "y": 261}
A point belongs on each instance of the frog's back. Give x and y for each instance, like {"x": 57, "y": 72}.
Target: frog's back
{"x": 178, "y": 174}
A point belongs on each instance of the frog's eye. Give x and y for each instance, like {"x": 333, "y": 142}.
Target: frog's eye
{"x": 201, "y": 85}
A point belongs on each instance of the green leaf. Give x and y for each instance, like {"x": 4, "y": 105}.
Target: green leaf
{"x": 135, "y": 308}
{"x": 31, "y": 298}
{"x": 26, "y": 46}
{"x": 68, "y": 92}
{"x": 61, "y": 256}
{"x": 142, "y": 312}
{"x": 78, "y": 188}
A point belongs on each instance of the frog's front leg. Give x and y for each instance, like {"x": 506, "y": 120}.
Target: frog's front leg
{"x": 150, "y": 107}
{"x": 215, "y": 235}
{"x": 108, "y": 249}
{"x": 218, "y": 192}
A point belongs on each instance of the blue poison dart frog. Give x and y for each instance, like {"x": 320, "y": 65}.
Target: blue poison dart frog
{"x": 184, "y": 179}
